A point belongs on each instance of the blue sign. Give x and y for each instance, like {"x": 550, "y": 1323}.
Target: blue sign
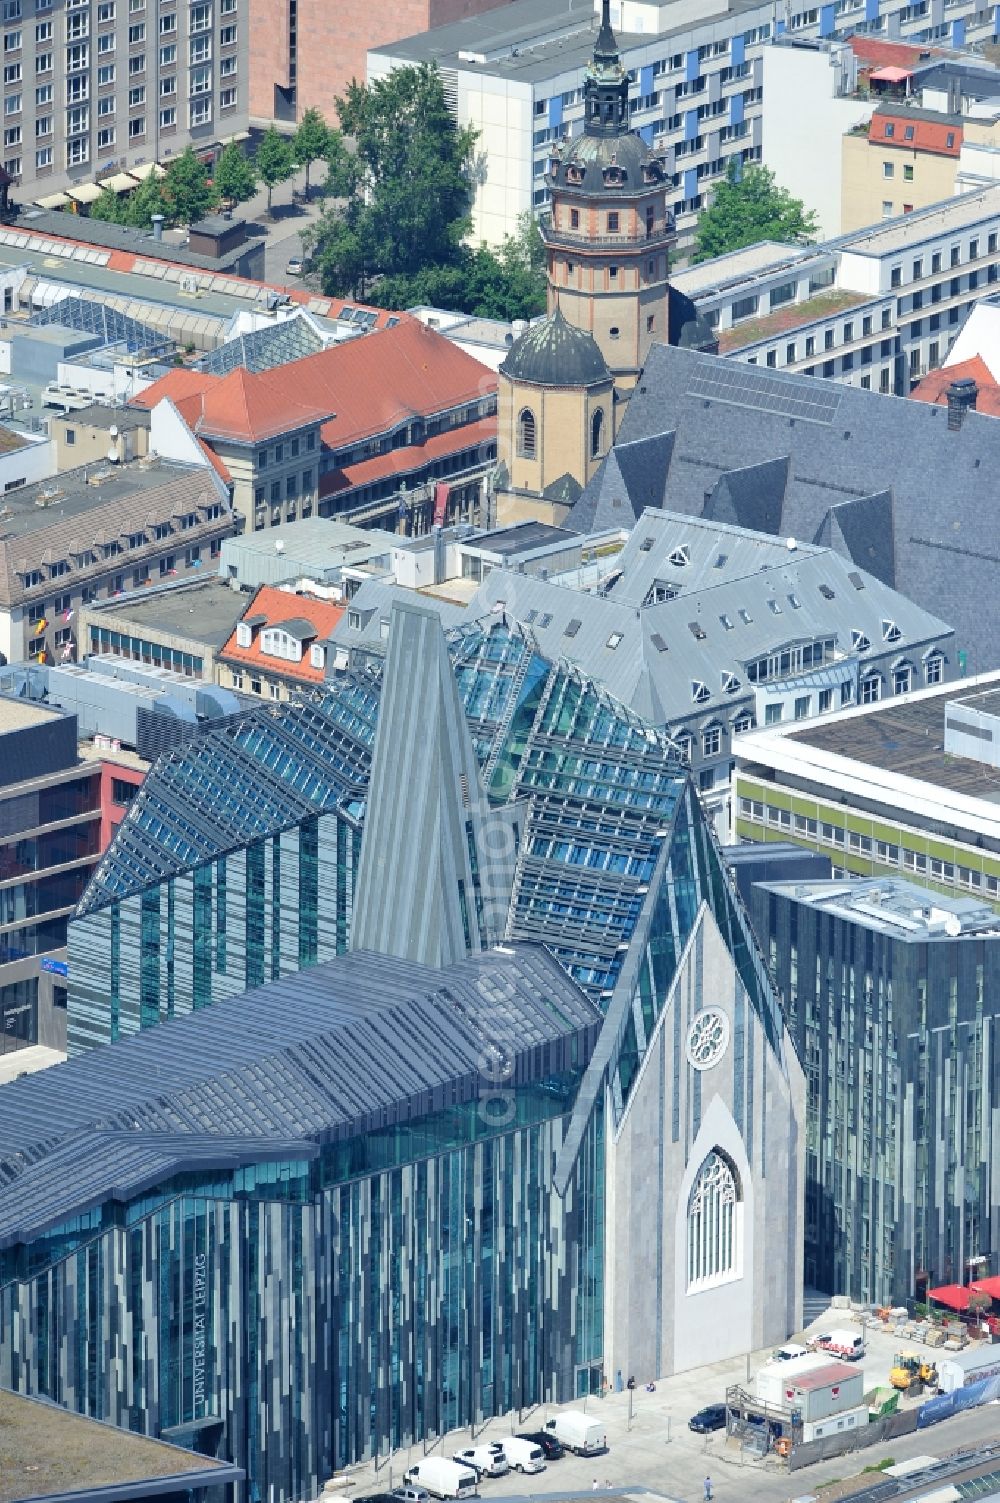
{"x": 57, "y": 967}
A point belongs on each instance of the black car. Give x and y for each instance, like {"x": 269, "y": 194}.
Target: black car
{"x": 713, "y": 1417}
{"x": 552, "y": 1448}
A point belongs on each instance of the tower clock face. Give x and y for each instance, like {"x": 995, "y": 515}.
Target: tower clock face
{"x": 708, "y": 1038}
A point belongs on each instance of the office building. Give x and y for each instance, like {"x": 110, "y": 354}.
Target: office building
{"x": 95, "y": 91}
{"x": 330, "y": 1127}
{"x": 58, "y": 811}
{"x": 696, "y": 83}
{"x": 891, "y": 991}
{"x": 279, "y": 644}
{"x": 823, "y": 463}
{"x": 92, "y": 533}
{"x": 885, "y": 790}
{"x": 181, "y": 625}
{"x": 876, "y": 308}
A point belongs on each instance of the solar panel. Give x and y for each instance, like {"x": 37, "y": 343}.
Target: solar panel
{"x": 746, "y": 386}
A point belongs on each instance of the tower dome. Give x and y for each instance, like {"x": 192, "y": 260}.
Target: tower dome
{"x": 554, "y": 352}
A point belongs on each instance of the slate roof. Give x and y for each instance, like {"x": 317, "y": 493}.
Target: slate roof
{"x": 651, "y": 656}
{"x": 880, "y": 479}
{"x": 324, "y": 1054}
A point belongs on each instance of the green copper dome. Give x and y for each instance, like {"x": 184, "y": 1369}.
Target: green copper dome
{"x": 556, "y": 353}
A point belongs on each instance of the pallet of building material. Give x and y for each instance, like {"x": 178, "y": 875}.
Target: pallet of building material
{"x": 935, "y": 1336}
{"x": 953, "y": 1344}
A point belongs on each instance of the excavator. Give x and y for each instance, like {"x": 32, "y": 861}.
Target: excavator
{"x": 911, "y": 1372}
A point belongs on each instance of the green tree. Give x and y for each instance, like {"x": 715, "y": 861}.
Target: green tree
{"x": 110, "y": 207}
{"x": 274, "y": 161}
{"x": 311, "y": 140}
{"x": 507, "y": 283}
{"x": 188, "y": 189}
{"x": 139, "y": 207}
{"x": 235, "y": 177}
{"x": 748, "y": 208}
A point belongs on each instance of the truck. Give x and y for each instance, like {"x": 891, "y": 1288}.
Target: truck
{"x": 443, "y": 1478}
{"x": 578, "y": 1433}
{"x": 960, "y": 1369}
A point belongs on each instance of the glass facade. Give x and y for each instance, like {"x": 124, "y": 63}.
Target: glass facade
{"x": 900, "y": 1042}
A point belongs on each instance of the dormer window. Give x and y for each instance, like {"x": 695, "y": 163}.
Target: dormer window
{"x": 244, "y": 635}
{"x": 317, "y": 655}
{"x": 730, "y": 683}
{"x": 890, "y": 631}
{"x": 700, "y": 692}
{"x": 680, "y": 557}
{"x": 859, "y": 641}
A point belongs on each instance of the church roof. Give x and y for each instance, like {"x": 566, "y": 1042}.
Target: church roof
{"x": 554, "y": 352}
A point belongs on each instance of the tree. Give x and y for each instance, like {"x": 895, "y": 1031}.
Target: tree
{"x": 109, "y": 207}
{"x": 274, "y": 161}
{"x": 748, "y": 207}
{"x": 235, "y": 177}
{"x": 507, "y": 283}
{"x": 139, "y": 207}
{"x": 188, "y": 189}
{"x": 311, "y": 140}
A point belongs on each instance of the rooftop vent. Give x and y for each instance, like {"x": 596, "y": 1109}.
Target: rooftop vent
{"x": 962, "y": 396}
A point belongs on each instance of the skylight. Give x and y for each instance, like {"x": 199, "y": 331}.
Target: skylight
{"x": 614, "y": 640}
{"x": 680, "y": 557}
{"x": 697, "y": 630}
{"x": 727, "y": 623}
{"x": 774, "y": 607}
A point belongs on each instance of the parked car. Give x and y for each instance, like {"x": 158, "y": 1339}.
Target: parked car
{"x": 578, "y": 1433}
{"x": 296, "y": 266}
{"x": 488, "y": 1460}
{"x": 410, "y": 1495}
{"x": 443, "y": 1478}
{"x": 552, "y": 1448}
{"x": 790, "y": 1351}
{"x": 524, "y": 1455}
{"x": 712, "y": 1417}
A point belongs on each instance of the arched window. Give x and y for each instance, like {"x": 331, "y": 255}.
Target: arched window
{"x": 715, "y": 1224}
{"x": 526, "y": 434}
{"x": 597, "y": 434}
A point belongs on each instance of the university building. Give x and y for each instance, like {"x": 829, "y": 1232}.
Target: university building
{"x": 548, "y": 884}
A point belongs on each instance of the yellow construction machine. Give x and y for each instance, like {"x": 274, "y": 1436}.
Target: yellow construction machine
{"x": 909, "y": 1371}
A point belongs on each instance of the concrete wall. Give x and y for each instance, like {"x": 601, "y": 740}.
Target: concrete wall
{"x": 865, "y": 189}
{"x": 803, "y": 122}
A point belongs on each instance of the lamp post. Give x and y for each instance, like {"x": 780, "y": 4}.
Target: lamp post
{"x": 631, "y": 1391}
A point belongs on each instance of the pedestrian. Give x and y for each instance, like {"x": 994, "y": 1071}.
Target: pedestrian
{"x": 596, "y": 1487}
{"x": 708, "y": 1490}
{"x": 607, "y": 1484}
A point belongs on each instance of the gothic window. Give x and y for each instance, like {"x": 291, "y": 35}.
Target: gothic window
{"x": 714, "y": 1223}
{"x": 597, "y": 434}
{"x": 526, "y": 446}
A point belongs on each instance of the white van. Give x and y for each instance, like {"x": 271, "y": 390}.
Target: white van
{"x": 488, "y": 1460}
{"x": 789, "y": 1352}
{"x": 578, "y": 1433}
{"x": 524, "y": 1455}
{"x": 443, "y": 1478}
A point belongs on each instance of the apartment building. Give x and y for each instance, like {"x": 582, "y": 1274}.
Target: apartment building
{"x": 92, "y": 87}
{"x": 696, "y": 82}
{"x": 876, "y": 309}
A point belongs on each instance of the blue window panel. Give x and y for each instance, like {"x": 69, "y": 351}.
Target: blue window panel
{"x": 691, "y": 67}
{"x": 958, "y": 33}
{"x": 690, "y": 125}
{"x": 779, "y": 28}
{"x": 826, "y": 20}
{"x": 646, "y": 80}
{"x": 738, "y": 52}
{"x": 646, "y": 132}
{"x": 691, "y": 183}
{"x": 871, "y": 10}
{"x": 555, "y": 112}
{"x": 736, "y": 109}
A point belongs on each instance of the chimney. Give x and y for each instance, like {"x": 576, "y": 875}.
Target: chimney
{"x": 961, "y": 396}
{"x": 157, "y": 226}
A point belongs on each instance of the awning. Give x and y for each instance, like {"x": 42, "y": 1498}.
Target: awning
{"x": 955, "y": 1296}
{"x": 147, "y": 169}
{"x": 53, "y": 201}
{"x": 890, "y": 75}
{"x": 241, "y": 135}
{"x": 86, "y": 193}
{"x": 120, "y": 182}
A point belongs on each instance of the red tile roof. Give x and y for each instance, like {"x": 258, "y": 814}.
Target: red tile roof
{"x": 889, "y": 128}
{"x": 934, "y": 386}
{"x": 278, "y": 606}
{"x": 405, "y": 461}
{"x": 363, "y": 387}
{"x": 872, "y": 53}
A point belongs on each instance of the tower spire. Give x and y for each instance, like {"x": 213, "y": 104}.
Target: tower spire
{"x": 606, "y": 47}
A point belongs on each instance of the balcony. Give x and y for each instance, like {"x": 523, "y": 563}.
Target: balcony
{"x": 659, "y": 237}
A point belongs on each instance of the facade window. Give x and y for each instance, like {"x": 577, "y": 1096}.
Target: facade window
{"x": 597, "y": 434}
{"x": 934, "y": 669}
{"x": 711, "y": 741}
{"x": 871, "y": 689}
{"x": 714, "y": 1224}
{"x": 526, "y": 434}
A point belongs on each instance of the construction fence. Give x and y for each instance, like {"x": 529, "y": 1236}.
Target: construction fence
{"x": 891, "y": 1427}
{"x": 987, "y": 1391}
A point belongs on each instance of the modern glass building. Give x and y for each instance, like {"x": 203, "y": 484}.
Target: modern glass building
{"x": 367, "y": 1201}
{"x": 892, "y": 994}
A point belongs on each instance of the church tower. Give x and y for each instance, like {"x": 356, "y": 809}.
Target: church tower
{"x": 610, "y": 231}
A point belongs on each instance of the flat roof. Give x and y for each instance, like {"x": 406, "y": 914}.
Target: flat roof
{"x": 522, "y": 537}
{"x": 904, "y": 736}
{"x": 533, "y": 41}
{"x": 789, "y": 318}
{"x": 49, "y": 1452}
{"x": 986, "y": 702}
{"x": 72, "y": 493}
{"x": 942, "y": 218}
{"x": 101, "y": 415}
{"x": 205, "y": 611}
{"x": 17, "y": 714}
{"x": 894, "y": 905}
{"x": 735, "y": 265}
